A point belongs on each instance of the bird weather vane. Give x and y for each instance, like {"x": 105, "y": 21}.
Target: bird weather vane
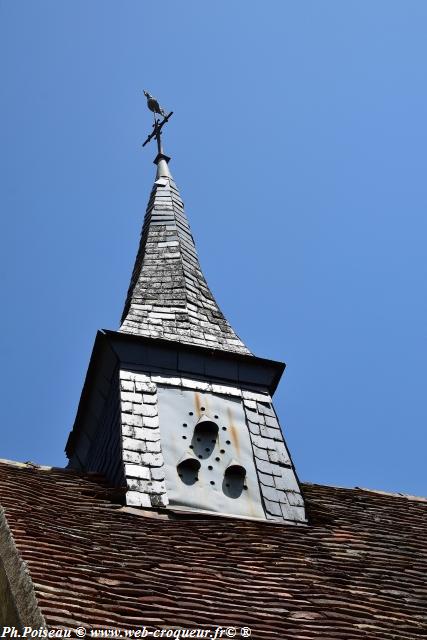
{"x": 154, "y": 106}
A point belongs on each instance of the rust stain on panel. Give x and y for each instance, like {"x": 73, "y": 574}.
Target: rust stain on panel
{"x": 251, "y": 507}
{"x": 233, "y": 431}
{"x": 197, "y": 403}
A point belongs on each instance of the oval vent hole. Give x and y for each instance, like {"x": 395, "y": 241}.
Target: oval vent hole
{"x": 234, "y": 480}
{"x": 204, "y": 437}
{"x": 188, "y": 470}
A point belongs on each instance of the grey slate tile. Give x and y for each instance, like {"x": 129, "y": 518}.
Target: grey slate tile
{"x": 162, "y": 266}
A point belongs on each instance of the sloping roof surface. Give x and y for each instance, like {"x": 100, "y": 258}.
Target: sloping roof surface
{"x": 168, "y": 295}
{"x": 358, "y": 571}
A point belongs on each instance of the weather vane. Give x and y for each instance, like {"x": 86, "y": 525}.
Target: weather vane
{"x": 154, "y": 106}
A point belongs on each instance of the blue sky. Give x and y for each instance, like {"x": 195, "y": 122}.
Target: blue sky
{"x": 299, "y": 144}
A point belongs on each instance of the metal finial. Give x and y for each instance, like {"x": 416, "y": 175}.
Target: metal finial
{"x": 154, "y": 106}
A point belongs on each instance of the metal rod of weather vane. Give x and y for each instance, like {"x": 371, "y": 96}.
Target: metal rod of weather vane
{"x": 159, "y": 141}
{"x": 157, "y": 130}
{"x": 150, "y": 137}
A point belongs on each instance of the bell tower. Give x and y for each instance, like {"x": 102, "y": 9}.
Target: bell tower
{"x": 175, "y": 409}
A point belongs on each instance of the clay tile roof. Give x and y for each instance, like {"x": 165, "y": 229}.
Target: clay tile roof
{"x": 357, "y": 571}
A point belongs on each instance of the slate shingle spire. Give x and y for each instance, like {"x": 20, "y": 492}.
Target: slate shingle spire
{"x": 168, "y": 295}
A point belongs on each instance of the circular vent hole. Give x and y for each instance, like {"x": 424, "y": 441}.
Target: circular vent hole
{"x": 224, "y": 428}
{"x": 228, "y": 442}
{"x": 212, "y": 482}
{"x": 218, "y": 459}
{"x": 210, "y": 467}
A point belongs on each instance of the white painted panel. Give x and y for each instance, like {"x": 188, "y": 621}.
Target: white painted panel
{"x": 179, "y": 407}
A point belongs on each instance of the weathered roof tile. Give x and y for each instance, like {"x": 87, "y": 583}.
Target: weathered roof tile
{"x": 357, "y": 571}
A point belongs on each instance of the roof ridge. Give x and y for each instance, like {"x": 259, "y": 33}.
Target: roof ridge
{"x": 391, "y": 494}
{"x": 89, "y": 475}
{"x": 395, "y": 494}
{"x": 29, "y": 465}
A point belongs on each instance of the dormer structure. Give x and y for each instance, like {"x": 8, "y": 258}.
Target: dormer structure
{"x": 175, "y": 410}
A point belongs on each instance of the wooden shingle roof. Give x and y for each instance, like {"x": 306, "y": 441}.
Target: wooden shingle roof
{"x": 357, "y": 571}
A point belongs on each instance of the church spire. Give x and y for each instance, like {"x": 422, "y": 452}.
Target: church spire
{"x": 184, "y": 421}
{"x": 168, "y": 296}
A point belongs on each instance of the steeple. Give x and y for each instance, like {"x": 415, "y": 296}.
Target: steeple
{"x": 175, "y": 410}
{"x": 168, "y": 295}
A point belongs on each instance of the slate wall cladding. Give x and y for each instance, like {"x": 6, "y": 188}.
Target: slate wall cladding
{"x": 142, "y": 457}
{"x": 105, "y": 452}
{"x": 168, "y": 295}
{"x": 279, "y": 486}
{"x": 144, "y": 464}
